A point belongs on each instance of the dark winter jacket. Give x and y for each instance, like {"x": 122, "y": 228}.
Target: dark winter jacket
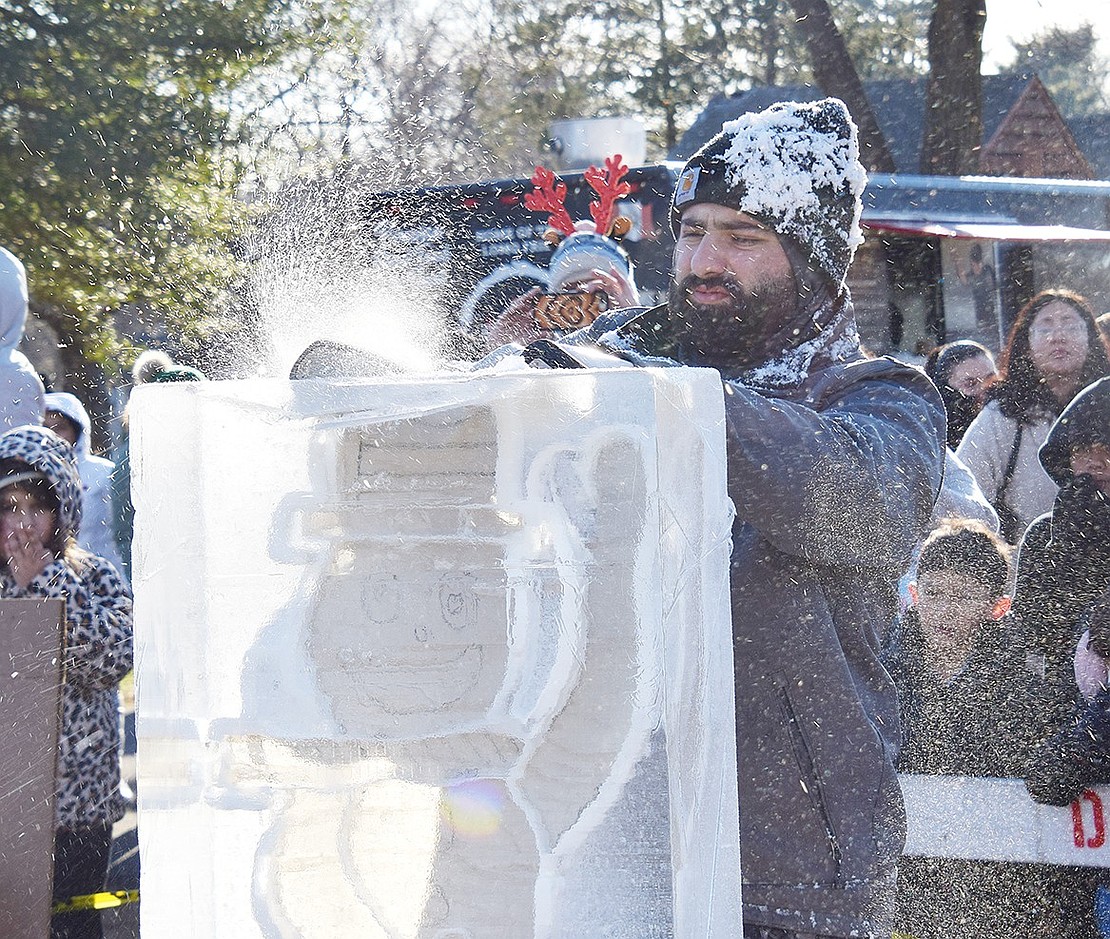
{"x": 833, "y": 476}
{"x": 978, "y": 724}
{"x": 97, "y": 643}
{"x": 1064, "y": 562}
{"x": 1077, "y": 756}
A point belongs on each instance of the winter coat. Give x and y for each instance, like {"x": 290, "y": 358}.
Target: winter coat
{"x": 1076, "y": 757}
{"x": 21, "y": 389}
{"x": 981, "y": 722}
{"x": 834, "y": 464}
{"x": 985, "y": 450}
{"x": 97, "y": 534}
{"x": 1064, "y": 561}
{"x": 97, "y": 651}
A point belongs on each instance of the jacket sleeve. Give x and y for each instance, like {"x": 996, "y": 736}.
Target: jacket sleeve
{"x": 961, "y": 496}
{"x": 985, "y": 448}
{"x": 851, "y": 484}
{"x": 98, "y": 649}
{"x": 1076, "y": 757}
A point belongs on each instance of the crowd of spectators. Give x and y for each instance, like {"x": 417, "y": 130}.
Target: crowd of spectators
{"x": 1002, "y": 661}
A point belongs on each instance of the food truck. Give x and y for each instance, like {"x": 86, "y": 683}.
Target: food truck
{"x": 943, "y": 258}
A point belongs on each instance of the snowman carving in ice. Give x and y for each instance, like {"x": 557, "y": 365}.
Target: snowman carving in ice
{"x": 475, "y": 675}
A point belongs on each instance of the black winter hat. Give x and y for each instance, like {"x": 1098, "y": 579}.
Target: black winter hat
{"x": 795, "y": 167}
{"x": 1084, "y": 422}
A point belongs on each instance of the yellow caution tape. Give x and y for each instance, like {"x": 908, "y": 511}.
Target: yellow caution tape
{"x": 97, "y": 901}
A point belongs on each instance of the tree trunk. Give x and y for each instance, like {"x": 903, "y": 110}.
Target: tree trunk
{"x": 836, "y": 74}
{"x": 954, "y": 92}
{"x": 670, "y": 129}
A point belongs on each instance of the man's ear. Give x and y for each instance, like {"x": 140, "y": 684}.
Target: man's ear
{"x": 912, "y": 588}
{"x": 1001, "y": 607}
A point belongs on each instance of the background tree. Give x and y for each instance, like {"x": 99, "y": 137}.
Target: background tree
{"x": 111, "y": 117}
{"x": 664, "y": 59}
{"x": 886, "y": 38}
{"x": 954, "y": 94}
{"x": 1067, "y": 61}
{"x": 837, "y": 75}
{"x": 403, "y": 91}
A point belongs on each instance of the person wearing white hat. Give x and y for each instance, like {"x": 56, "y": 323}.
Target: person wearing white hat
{"x": 21, "y": 388}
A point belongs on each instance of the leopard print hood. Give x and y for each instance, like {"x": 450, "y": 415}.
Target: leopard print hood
{"x": 47, "y": 453}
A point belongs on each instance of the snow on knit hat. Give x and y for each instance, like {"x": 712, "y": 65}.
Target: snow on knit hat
{"x": 795, "y": 167}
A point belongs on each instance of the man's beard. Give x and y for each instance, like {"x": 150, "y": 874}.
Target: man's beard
{"x": 743, "y": 332}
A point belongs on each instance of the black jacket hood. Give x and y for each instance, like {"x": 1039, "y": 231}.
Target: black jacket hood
{"x": 1084, "y": 422}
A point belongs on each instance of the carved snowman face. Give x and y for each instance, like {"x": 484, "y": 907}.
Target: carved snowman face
{"x": 410, "y": 622}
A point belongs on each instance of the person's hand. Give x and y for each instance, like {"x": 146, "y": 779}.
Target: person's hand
{"x": 25, "y": 552}
{"x": 612, "y": 284}
{"x": 517, "y": 323}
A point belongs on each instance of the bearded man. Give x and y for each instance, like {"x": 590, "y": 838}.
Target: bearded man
{"x": 835, "y": 460}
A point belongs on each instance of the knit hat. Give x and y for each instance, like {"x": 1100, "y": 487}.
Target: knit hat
{"x": 584, "y": 246}
{"x": 492, "y": 295}
{"x": 176, "y": 373}
{"x": 794, "y": 167}
{"x": 154, "y": 365}
{"x": 1083, "y": 423}
{"x": 583, "y": 252}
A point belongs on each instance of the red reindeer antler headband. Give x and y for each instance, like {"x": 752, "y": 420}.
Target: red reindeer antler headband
{"x": 549, "y": 196}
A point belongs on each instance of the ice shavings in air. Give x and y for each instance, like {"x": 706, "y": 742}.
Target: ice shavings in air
{"x": 444, "y": 658}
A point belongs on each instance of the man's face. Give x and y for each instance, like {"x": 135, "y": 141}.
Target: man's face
{"x": 733, "y": 287}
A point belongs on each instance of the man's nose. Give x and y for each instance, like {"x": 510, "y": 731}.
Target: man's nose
{"x": 708, "y": 259}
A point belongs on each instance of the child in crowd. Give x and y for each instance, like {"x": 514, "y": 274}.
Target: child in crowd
{"x": 67, "y": 417}
{"x": 956, "y": 665}
{"x": 965, "y": 706}
{"x": 40, "y": 513}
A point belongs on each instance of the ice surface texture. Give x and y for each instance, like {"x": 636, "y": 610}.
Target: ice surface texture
{"x": 442, "y": 659}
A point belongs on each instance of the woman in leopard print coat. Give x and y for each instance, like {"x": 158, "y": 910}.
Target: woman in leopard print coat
{"x": 40, "y": 511}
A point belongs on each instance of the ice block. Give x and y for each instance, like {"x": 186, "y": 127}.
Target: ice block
{"x": 435, "y": 658}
